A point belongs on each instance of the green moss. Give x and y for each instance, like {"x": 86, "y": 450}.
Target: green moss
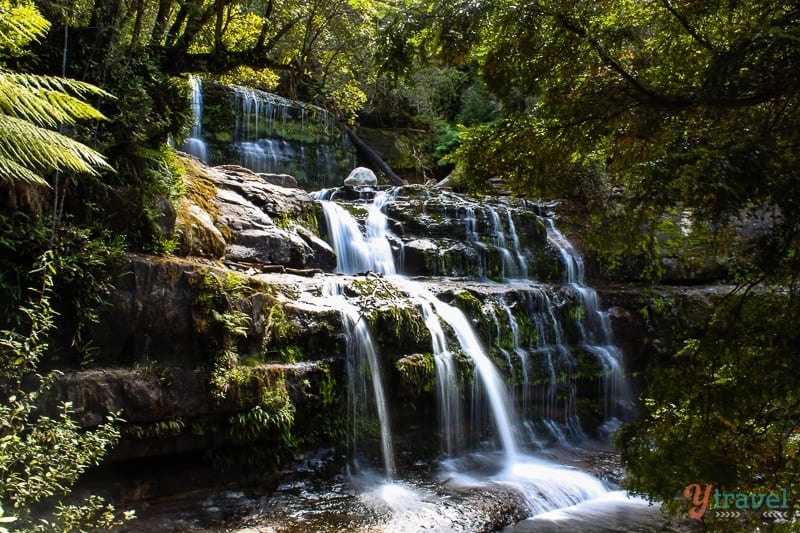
{"x": 199, "y": 188}
{"x": 588, "y": 367}
{"x": 325, "y": 418}
{"x": 417, "y": 374}
{"x": 398, "y": 329}
{"x": 374, "y": 287}
{"x": 468, "y": 303}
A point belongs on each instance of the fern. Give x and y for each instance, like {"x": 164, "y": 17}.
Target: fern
{"x": 32, "y": 106}
{"x": 20, "y": 23}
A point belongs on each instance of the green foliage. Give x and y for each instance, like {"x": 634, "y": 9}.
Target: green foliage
{"x": 272, "y": 417}
{"x": 20, "y": 25}
{"x": 86, "y": 264}
{"x": 673, "y": 105}
{"x": 224, "y": 324}
{"x": 31, "y": 105}
{"x": 723, "y": 410}
{"x": 41, "y": 457}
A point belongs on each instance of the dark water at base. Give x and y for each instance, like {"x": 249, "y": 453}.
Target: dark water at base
{"x": 425, "y": 498}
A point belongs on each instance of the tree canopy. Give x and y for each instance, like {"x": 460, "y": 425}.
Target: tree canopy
{"x": 678, "y": 103}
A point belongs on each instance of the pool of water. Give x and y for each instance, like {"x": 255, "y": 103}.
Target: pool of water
{"x": 560, "y": 489}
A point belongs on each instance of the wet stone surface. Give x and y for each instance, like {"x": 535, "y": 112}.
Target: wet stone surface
{"x": 308, "y": 498}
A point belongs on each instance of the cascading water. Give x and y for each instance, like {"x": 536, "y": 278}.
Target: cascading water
{"x": 195, "y": 145}
{"x": 267, "y": 134}
{"x": 360, "y": 353}
{"x": 279, "y": 136}
{"x": 595, "y": 330}
{"x": 372, "y": 247}
{"x": 356, "y": 253}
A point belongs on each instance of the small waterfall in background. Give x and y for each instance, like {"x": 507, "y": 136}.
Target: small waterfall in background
{"x": 267, "y": 133}
{"x": 279, "y": 136}
{"x": 530, "y": 337}
{"x": 195, "y": 145}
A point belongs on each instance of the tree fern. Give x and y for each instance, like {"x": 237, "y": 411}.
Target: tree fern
{"x": 32, "y": 106}
{"x": 20, "y": 23}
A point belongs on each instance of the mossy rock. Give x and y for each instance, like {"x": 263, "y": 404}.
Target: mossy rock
{"x": 417, "y": 374}
{"x": 399, "y": 330}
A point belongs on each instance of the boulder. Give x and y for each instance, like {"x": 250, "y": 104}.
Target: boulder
{"x": 361, "y": 176}
{"x": 198, "y": 236}
{"x": 243, "y": 218}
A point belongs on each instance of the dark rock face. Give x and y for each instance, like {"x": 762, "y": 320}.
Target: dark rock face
{"x": 650, "y": 322}
{"x": 151, "y": 314}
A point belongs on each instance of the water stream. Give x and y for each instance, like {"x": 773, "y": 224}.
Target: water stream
{"x": 194, "y": 144}
{"x": 370, "y": 247}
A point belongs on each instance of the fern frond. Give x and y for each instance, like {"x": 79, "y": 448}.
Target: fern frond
{"x": 12, "y": 172}
{"x": 46, "y": 100}
{"x": 19, "y": 25}
{"x": 38, "y": 148}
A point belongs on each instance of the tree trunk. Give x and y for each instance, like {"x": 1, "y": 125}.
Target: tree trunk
{"x": 370, "y": 155}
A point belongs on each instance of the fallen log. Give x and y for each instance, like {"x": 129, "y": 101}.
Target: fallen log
{"x": 372, "y": 156}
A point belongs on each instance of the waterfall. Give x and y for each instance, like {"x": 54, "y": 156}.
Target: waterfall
{"x": 448, "y": 391}
{"x": 370, "y": 246}
{"x": 279, "y": 136}
{"x": 532, "y": 336}
{"x": 267, "y": 134}
{"x": 195, "y": 145}
{"x": 360, "y": 350}
{"x": 499, "y": 399}
{"x": 595, "y": 329}
{"x": 355, "y": 254}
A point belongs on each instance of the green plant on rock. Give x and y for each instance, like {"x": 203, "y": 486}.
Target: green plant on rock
{"x": 156, "y": 430}
{"x": 398, "y": 328}
{"x": 225, "y": 324}
{"x": 417, "y": 373}
{"x": 272, "y": 416}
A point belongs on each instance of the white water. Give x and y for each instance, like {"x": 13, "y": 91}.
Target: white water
{"x": 356, "y": 253}
{"x": 360, "y": 348}
{"x": 497, "y": 393}
{"x": 448, "y": 391}
{"x": 595, "y": 329}
{"x": 546, "y": 486}
{"x": 195, "y": 145}
{"x": 265, "y": 121}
